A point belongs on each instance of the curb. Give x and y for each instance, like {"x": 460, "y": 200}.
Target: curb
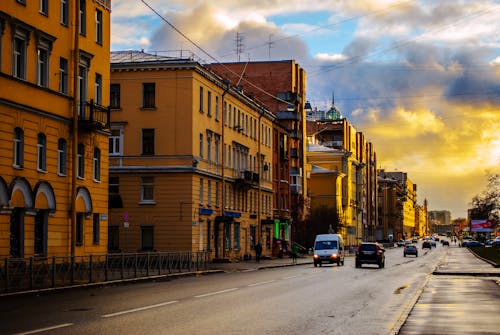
{"x": 495, "y": 265}
{"x": 112, "y": 282}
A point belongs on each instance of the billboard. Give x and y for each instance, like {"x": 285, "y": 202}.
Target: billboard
{"x": 481, "y": 226}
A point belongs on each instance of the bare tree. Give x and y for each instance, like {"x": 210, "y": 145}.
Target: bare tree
{"x": 487, "y": 204}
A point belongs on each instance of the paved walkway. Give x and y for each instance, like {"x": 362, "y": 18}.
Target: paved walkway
{"x": 461, "y": 297}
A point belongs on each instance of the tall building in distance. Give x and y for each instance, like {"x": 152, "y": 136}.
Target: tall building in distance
{"x": 54, "y": 79}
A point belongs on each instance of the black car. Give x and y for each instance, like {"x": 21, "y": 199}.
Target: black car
{"x": 370, "y": 253}
{"x": 472, "y": 244}
{"x": 426, "y": 245}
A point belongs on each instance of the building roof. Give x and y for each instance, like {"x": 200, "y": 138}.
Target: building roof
{"x": 320, "y": 148}
{"x": 133, "y": 56}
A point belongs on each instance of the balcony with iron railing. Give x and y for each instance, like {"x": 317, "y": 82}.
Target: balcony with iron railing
{"x": 93, "y": 117}
{"x": 247, "y": 178}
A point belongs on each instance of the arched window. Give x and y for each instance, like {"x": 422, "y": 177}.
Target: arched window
{"x": 42, "y": 152}
{"x": 18, "y": 148}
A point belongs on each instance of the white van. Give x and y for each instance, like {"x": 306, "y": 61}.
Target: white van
{"x": 328, "y": 248}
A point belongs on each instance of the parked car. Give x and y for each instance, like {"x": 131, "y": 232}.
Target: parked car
{"x": 410, "y": 250}
{"x": 496, "y": 242}
{"x": 426, "y": 245}
{"x": 472, "y": 243}
{"x": 370, "y": 253}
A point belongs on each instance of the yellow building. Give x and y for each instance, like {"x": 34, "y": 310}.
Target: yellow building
{"x": 54, "y": 79}
{"x": 190, "y": 160}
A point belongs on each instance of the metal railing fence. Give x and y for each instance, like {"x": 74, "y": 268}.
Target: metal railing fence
{"x": 24, "y": 274}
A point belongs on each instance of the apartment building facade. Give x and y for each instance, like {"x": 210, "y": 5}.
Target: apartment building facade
{"x": 190, "y": 160}
{"x": 281, "y": 87}
{"x": 54, "y": 71}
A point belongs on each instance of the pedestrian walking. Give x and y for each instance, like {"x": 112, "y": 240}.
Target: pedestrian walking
{"x": 258, "y": 251}
{"x": 295, "y": 251}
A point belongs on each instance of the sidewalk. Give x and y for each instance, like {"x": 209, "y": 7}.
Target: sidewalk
{"x": 241, "y": 266}
{"x": 462, "y": 296}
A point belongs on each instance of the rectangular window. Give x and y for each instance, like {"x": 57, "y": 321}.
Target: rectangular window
{"x": 217, "y": 149}
{"x": 237, "y": 236}
{"x": 79, "y": 229}
{"x": 83, "y": 17}
{"x": 201, "y": 99}
{"x": 98, "y": 89}
{"x": 18, "y": 148}
{"x": 201, "y": 190}
{"x": 64, "y": 12}
{"x": 147, "y": 189}
{"x": 115, "y": 142}
{"x": 209, "y": 147}
{"x": 81, "y": 161}
{"x": 44, "y": 7}
{"x": 42, "y": 153}
{"x": 82, "y": 89}
{"x": 98, "y": 26}
{"x": 61, "y": 157}
{"x": 114, "y": 100}
{"x": 96, "y": 228}
{"x": 217, "y": 199}
{"x": 209, "y": 192}
{"x": 217, "y": 108}
{"x": 19, "y": 58}
{"x": 147, "y": 238}
{"x": 97, "y": 164}
{"x": 227, "y": 228}
{"x": 148, "y": 95}
{"x": 209, "y": 103}
{"x": 63, "y": 75}
{"x": 148, "y": 141}
{"x": 201, "y": 145}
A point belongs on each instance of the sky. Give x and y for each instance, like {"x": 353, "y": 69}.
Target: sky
{"x": 421, "y": 78}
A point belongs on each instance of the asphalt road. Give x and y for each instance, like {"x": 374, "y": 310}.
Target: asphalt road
{"x": 292, "y": 300}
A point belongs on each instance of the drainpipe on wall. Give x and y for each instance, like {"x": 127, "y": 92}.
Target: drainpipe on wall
{"x": 74, "y": 157}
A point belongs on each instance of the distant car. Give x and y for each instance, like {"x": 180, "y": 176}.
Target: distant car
{"x": 370, "y": 253}
{"x": 472, "y": 243}
{"x": 445, "y": 242}
{"x": 426, "y": 245}
{"x": 496, "y": 242}
{"x": 414, "y": 240}
{"x": 410, "y": 250}
{"x": 433, "y": 244}
{"x": 401, "y": 243}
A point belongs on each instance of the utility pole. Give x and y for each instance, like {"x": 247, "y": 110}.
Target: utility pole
{"x": 239, "y": 45}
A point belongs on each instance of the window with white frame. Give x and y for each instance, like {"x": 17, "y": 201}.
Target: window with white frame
{"x": 217, "y": 108}
{"x": 42, "y": 152}
{"x": 81, "y": 161}
{"x": 63, "y": 75}
{"x": 98, "y": 26}
{"x": 43, "y": 49}
{"x": 116, "y": 141}
{"x": 98, "y": 89}
{"x": 114, "y": 92}
{"x": 64, "y": 12}
{"x": 83, "y": 17}
{"x": 82, "y": 88}
{"x": 44, "y": 7}
{"x": 18, "y": 147}
{"x": 147, "y": 189}
{"x": 19, "y": 56}
{"x": 209, "y": 103}
{"x": 61, "y": 157}
{"x": 97, "y": 164}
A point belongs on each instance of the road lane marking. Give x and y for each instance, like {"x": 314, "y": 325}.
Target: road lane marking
{"x": 261, "y": 283}
{"x": 285, "y": 278}
{"x": 40, "y": 330}
{"x": 217, "y": 292}
{"x": 140, "y": 309}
